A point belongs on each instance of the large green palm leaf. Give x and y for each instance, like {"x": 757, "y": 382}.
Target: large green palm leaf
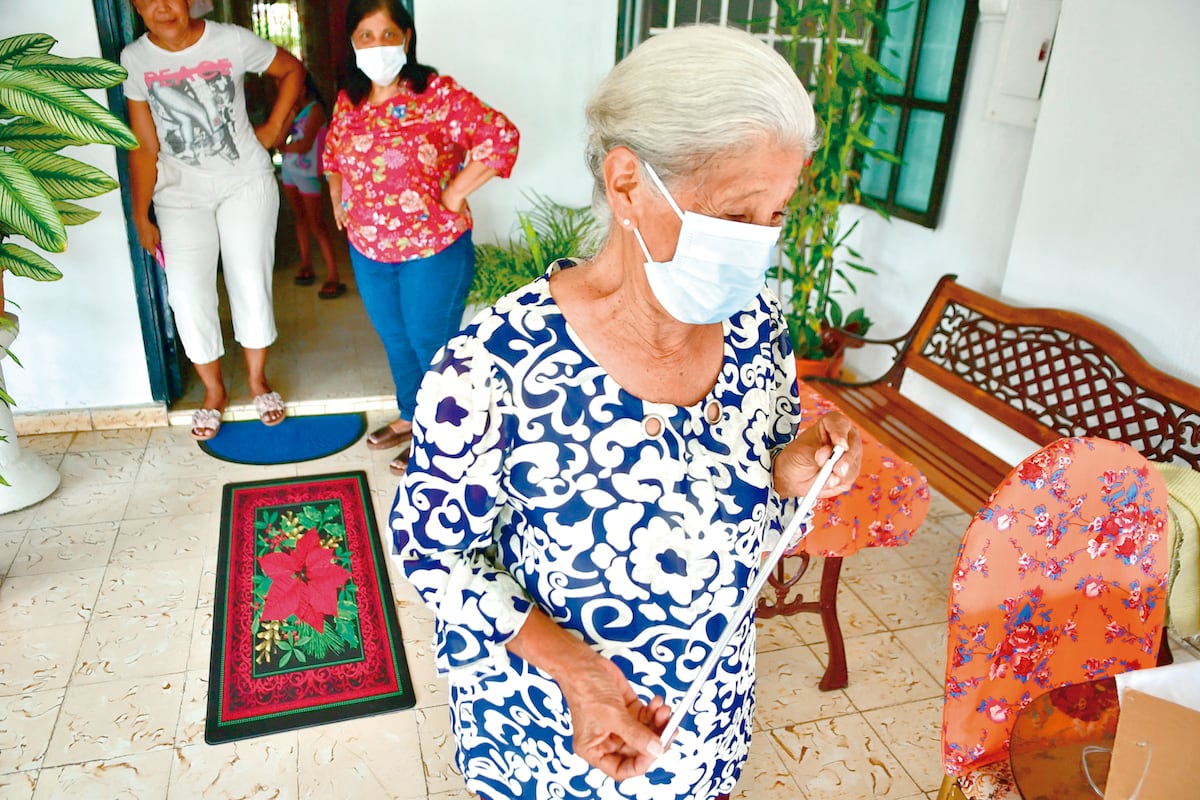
{"x": 82, "y": 73}
{"x": 64, "y": 178}
{"x": 73, "y": 213}
{"x": 26, "y": 208}
{"x": 26, "y": 263}
{"x": 25, "y": 44}
{"x": 29, "y": 134}
{"x": 43, "y": 109}
{"x": 62, "y": 107}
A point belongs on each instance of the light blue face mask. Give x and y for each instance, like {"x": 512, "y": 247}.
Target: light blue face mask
{"x": 719, "y": 265}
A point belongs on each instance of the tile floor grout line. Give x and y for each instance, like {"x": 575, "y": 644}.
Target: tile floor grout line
{"x": 884, "y": 741}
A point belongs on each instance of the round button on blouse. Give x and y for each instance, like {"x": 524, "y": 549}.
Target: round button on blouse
{"x": 713, "y": 412}
{"x": 653, "y": 425}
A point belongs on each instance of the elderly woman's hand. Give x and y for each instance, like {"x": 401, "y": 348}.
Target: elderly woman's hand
{"x": 614, "y": 730}
{"x": 798, "y": 464}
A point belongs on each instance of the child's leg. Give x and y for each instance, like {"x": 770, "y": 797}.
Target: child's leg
{"x": 315, "y": 216}
{"x": 300, "y": 222}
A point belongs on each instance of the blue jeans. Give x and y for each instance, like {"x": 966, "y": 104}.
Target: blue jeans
{"x": 415, "y": 306}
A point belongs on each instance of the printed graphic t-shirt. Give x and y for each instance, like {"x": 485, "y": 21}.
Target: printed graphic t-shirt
{"x": 197, "y": 99}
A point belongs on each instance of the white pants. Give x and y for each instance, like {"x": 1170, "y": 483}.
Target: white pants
{"x": 199, "y": 216}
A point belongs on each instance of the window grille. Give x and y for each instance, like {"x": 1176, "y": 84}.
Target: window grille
{"x": 928, "y": 48}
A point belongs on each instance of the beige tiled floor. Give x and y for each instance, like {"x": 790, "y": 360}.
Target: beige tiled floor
{"x": 106, "y": 616}
{"x": 106, "y": 594}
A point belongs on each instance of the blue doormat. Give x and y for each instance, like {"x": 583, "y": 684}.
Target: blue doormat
{"x": 294, "y": 439}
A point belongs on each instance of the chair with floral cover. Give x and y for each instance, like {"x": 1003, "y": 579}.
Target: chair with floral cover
{"x": 884, "y": 508}
{"x": 1060, "y": 579}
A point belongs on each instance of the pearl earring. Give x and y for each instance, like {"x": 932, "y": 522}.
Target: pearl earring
{"x": 625, "y": 222}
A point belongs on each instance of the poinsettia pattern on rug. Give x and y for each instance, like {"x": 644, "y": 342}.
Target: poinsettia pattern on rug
{"x": 304, "y": 624}
{"x": 306, "y": 588}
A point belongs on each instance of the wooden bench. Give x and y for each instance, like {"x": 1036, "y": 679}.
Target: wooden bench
{"x": 1043, "y": 373}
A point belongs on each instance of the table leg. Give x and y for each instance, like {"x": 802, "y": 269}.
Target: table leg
{"x": 836, "y": 676}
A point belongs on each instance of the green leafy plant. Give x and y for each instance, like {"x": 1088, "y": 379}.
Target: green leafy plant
{"x": 828, "y": 44}
{"x": 549, "y": 231}
{"x": 43, "y": 109}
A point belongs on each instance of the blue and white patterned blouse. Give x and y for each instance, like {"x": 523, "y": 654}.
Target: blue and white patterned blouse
{"x": 535, "y": 478}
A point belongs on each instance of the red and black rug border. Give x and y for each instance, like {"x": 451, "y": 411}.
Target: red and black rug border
{"x": 217, "y": 731}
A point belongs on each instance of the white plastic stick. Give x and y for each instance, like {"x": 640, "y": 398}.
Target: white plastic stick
{"x": 783, "y": 545}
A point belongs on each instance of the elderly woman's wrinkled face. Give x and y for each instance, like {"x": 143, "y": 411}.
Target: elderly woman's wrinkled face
{"x": 752, "y": 185}
{"x": 730, "y": 209}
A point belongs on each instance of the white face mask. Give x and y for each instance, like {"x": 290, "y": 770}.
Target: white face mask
{"x": 719, "y": 265}
{"x": 381, "y": 64}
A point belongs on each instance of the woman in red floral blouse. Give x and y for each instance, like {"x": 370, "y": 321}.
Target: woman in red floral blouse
{"x": 405, "y": 148}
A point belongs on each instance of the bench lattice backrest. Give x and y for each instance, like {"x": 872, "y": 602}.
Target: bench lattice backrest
{"x": 1052, "y": 373}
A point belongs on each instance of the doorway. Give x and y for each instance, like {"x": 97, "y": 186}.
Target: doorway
{"x": 327, "y": 357}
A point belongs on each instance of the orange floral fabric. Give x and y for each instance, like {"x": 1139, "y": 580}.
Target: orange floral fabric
{"x": 1060, "y": 579}
{"x": 884, "y": 508}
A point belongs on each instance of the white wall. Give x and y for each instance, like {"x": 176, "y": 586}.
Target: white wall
{"x": 80, "y": 340}
{"x": 1111, "y": 212}
{"x": 1096, "y": 210}
{"x": 537, "y": 61}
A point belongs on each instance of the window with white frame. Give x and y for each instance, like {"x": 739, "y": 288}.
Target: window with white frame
{"x": 927, "y": 48}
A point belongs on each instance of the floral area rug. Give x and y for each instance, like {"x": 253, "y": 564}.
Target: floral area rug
{"x": 304, "y": 626}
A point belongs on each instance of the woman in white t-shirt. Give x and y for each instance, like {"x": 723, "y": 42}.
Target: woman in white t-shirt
{"x": 210, "y": 177}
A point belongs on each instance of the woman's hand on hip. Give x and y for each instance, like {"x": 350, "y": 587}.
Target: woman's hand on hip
{"x": 452, "y": 201}
{"x": 615, "y": 731}
{"x": 268, "y": 135}
{"x": 798, "y": 464}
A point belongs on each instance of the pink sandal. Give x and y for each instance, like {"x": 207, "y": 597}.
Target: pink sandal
{"x": 268, "y": 404}
{"x": 206, "y": 423}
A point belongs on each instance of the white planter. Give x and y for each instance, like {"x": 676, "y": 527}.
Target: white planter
{"x": 30, "y": 479}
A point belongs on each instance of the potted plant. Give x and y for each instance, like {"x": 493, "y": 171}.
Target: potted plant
{"x": 43, "y": 109}
{"x": 550, "y": 231}
{"x": 828, "y": 43}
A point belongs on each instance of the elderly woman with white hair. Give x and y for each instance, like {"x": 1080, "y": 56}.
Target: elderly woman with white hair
{"x": 600, "y": 457}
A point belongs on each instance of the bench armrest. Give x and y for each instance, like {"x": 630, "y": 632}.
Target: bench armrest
{"x": 897, "y": 344}
{"x": 900, "y": 345}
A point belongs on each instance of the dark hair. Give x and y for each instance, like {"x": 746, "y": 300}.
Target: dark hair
{"x": 358, "y": 85}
